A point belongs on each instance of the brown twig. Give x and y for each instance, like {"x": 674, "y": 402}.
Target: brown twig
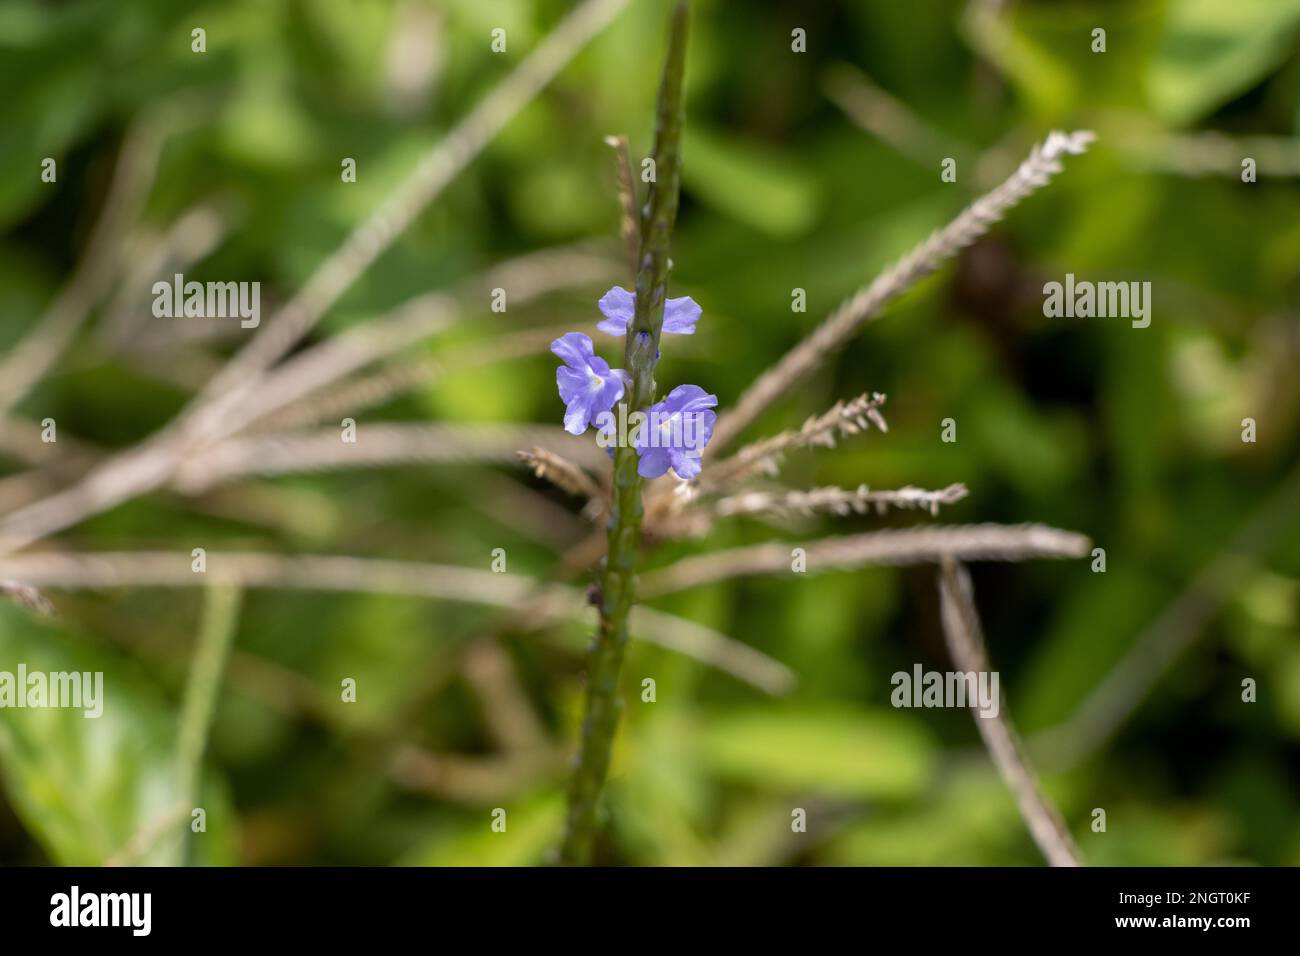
{"x": 975, "y": 220}
{"x": 548, "y": 604}
{"x": 838, "y": 501}
{"x": 151, "y": 464}
{"x": 382, "y": 443}
{"x": 33, "y": 356}
{"x": 374, "y": 236}
{"x": 561, "y": 472}
{"x": 893, "y": 547}
{"x": 842, "y": 419}
{"x": 629, "y": 226}
{"x": 961, "y": 628}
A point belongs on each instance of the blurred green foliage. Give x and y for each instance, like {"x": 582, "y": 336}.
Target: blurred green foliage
{"x": 1130, "y": 436}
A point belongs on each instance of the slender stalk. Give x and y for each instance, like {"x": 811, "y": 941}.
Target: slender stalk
{"x": 534, "y": 605}
{"x": 630, "y": 226}
{"x": 149, "y": 465}
{"x": 33, "y": 355}
{"x": 890, "y": 547}
{"x": 618, "y": 582}
{"x": 1044, "y": 162}
{"x": 965, "y": 639}
{"x": 220, "y": 619}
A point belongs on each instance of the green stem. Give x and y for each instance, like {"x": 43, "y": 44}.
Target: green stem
{"x": 618, "y": 581}
{"x": 216, "y": 634}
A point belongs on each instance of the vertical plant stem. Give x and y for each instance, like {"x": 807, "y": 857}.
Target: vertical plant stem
{"x": 217, "y": 633}
{"x": 618, "y": 581}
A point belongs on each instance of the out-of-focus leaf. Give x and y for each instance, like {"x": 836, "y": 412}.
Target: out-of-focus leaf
{"x": 971, "y": 821}
{"x": 830, "y": 750}
{"x": 748, "y": 183}
{"x": 1175, "y": 835}
{"x": 1075, "y": 654}
{"x": 1045, "y": 82}
{"x": 533, "y": 830}
{"x": 659, "y": 796}
{"x": 1049, "y": 52}
{"x": 87, "y": 787}
{"x": 1214, "y": 51}
{"x": 1288, "y": 691}
{"x": 266, "y": 128}
{"x": 556, "y": 200}
{"x": 502, "y": 391}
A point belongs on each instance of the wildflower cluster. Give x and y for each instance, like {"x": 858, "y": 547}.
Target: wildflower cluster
{"x": 669, "y": 434}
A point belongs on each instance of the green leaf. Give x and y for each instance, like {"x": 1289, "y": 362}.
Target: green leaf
{"x": 532, "y": 831}
{"x": 839, "y": 751}
{"x": 1077, "y": 651}
{"x": 971, "y": 821}
{"x": 748, "y": 183}
{"x": 84, "y": 787}
{"x": 1214, "y": 51}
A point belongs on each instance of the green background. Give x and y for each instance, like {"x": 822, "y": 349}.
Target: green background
{"x": 1131, "y": 436}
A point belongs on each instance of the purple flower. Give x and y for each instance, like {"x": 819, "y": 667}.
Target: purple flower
{"x": 680, "y": 315}
{"x": 588, "y": 386}
{"x": 675, "y": 432}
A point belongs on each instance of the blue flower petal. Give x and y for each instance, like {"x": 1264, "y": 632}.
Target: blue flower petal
{"x": 680, "y": 316}
{"x": 587, "y": 385}
{"x": 653, "y": 462}
{"x": 574, "y": 349}
{"x": 618, "y": 306}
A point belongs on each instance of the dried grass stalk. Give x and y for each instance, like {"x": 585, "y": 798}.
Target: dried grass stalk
{"x": 844, "y": 418}
{"x": 26, "y": 597}
{"x": 474, "y": 779}
{"x": 894, "y": 546}
{"x": 965, "y": 641}
{"x": 561, "y": 472}
{"x": 151, "y": 464}
{"x": 504, "y": 707}
{"x": 378, "y": 444}
{"x": 194, "y": 235}
{"x": 838, "y": 501}
{"x": 888, "y": 118}
{"x": 1208, "y": 153}
{"x": 33, "y": 356}
{"x": 630, "y": 225}
{"x": 374, "y": 236}
{"x": 307, "y": 376}
{"x": 1043, "y": 163}
{"x": 355, "y": 395}
{"x": 548, "y": 603}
